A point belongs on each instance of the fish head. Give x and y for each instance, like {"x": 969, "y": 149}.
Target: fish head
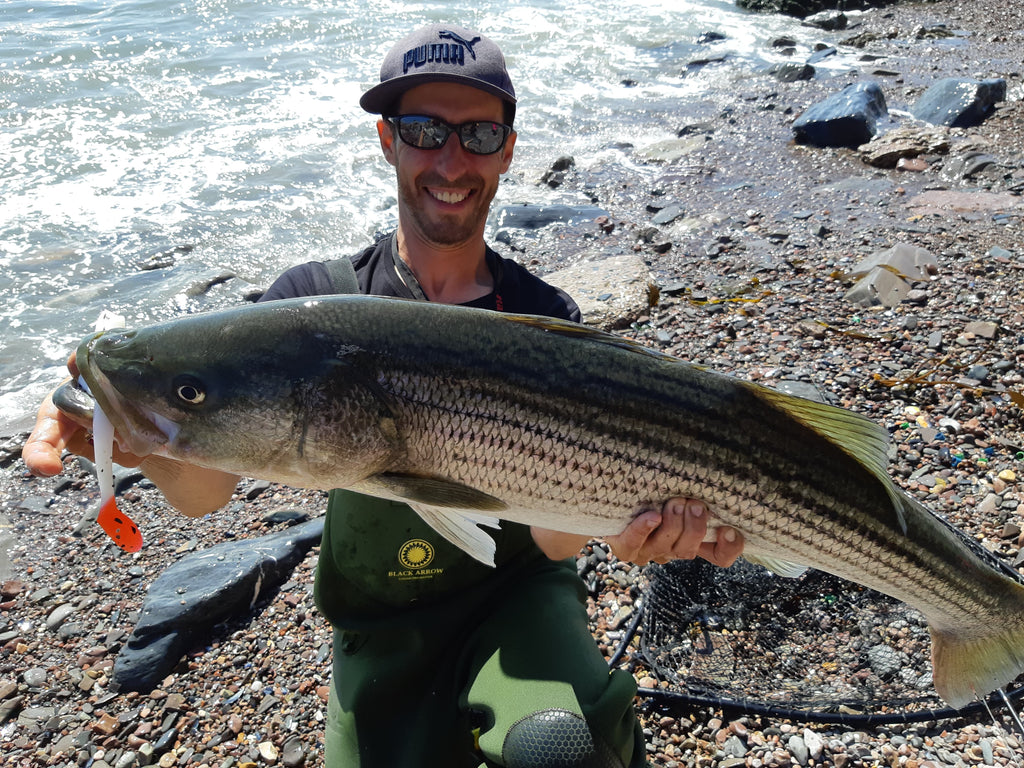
{"x": 246, "y": 391}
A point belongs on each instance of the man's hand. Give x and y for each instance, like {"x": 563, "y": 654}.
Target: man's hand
{"x": 193, "y": 490}
{"x": 675, "y": 533}
{"x": 56, "y": 432}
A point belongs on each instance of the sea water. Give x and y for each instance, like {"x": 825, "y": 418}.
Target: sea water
{"x": 150, "y": 149}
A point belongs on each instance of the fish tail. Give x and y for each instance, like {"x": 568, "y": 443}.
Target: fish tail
{"x": 966, "y": 667}
{"x": 119, "y": 526}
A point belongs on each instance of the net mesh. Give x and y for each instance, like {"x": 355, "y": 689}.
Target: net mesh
{"x": 815, "y": 643}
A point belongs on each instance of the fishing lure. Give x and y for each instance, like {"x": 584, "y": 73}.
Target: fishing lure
{"x": 118, "y": 526}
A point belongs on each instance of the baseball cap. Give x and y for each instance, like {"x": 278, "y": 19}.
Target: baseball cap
{"x": 440, "y": 53}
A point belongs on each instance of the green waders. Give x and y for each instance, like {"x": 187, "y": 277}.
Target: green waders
{"x": 504, "y": 676}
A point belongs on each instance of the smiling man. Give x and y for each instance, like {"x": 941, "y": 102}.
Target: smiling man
{"x": 438, "y": 659}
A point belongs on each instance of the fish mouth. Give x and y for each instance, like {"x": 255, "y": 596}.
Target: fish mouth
{"x": 137, "y": 429}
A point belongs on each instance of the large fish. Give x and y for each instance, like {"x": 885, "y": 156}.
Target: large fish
{"x": 471, "y": 415}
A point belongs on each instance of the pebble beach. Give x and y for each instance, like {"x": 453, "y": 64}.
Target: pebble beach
{"x": 752, "y": 275}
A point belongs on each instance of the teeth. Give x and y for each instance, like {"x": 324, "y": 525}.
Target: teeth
{"x": 449, "y": 197}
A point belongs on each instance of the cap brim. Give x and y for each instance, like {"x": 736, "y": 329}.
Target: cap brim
{"x": 384, "y": 96}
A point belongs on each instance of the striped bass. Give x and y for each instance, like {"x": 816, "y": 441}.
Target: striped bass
{"x": 471, "y": 415}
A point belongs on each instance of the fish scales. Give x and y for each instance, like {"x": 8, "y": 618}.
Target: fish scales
{"x": 461, "y": 411}
{"x": 628, "y": 477}
{"x": 640, "y": 455}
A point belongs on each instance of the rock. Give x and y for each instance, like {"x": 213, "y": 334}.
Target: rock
{"x": 959, "y": 103}
{"x": 734, "y": 746}
{"x": 555, "y": 176}
{"x": 9, "y": 706}
{"x": 709, "y": 37}
{"x": 885, "y": 661}
{"x": 35, "y": 677}
{"x": 798, "y": 749}
{"x": 538, "y": 216}
{"x": 791, "y": 72}
{"x": 885, "y": 275}
{"x": 59, "y": 615}
{"x": 268, "y": 752}
{"x": 967, "y": 165}
{"x": 611, "y": 292}
{"x": 292, "y": 754}
{"x": 667, "y": 215}
{"x": 290, "y": 516}
{"x": 983, "y": 328}
{"x": 199, "y": 591}
{"x": 814, "y": 743}
{"x": 671, "y": 150}
{"x": 821, "y": 54}
{"x": 846, "y": 119}
{"x": 943, "y": 201}
{"x": 887, "y": 150}
{"x": 828, "y": 21}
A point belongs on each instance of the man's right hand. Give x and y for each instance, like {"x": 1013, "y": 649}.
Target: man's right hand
{"x": 56, "y": 432}
{"x": 192, "y": 490}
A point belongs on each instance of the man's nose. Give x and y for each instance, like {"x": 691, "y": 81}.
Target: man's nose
{"x": 452, "y": 157}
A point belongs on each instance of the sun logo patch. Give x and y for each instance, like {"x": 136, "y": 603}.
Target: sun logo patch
{"x": 416, "y": 553}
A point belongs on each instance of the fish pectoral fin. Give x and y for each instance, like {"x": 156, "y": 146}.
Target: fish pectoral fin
{"x": 775, "y": 565}
{"x": 462, "y": 528}
{"x": 437, "y": 492}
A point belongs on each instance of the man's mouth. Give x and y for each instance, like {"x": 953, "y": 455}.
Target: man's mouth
{"x": 448, "y": 196}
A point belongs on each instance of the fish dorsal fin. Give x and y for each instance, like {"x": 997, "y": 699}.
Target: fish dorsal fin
{"x": 579, "y": 331}
{"x": 462, "y": 529}
{"x": 856, "y": 435}
{"x": 436, "y": 492}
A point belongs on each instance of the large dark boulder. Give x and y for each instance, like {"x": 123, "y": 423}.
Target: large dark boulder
{"x": 959, "y": 103}
{"x": 201, "y": 590}
{"x": 845, "y": 119}
{"x": 801, "y": 9}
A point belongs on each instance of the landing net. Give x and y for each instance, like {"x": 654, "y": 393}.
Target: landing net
{"x": 816, "y": 646}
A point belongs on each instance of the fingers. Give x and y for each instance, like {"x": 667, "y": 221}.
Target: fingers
{"x": 52, "y": 434}
{"x": 629, "y": 544}
{"x": 725, "y": 549}
{"x": 683, "y": 528}
{"x": 678, "y": 532}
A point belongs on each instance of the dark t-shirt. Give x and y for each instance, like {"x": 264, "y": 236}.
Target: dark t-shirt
{"x": 380, "y": 563}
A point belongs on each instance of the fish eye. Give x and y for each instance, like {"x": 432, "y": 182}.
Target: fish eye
{"x": 189, "y": 390}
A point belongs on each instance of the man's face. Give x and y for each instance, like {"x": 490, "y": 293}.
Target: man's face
{"x": 444, "y": 194}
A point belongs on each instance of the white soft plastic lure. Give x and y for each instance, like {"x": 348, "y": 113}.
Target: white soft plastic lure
{"x": 116, "y": 523}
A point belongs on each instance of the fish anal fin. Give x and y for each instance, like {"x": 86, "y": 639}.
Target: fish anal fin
{"x": 775, "y": 565}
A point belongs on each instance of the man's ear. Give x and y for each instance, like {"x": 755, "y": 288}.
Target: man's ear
{"x": 387, "y": 140}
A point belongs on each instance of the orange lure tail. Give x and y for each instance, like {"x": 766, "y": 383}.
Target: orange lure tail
{"x": 119, "y": 527}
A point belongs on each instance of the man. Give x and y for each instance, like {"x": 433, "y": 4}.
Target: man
{"x": 439, "y": 660}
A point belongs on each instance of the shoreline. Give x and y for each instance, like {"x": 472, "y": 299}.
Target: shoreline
{"x": 752, "y": 283}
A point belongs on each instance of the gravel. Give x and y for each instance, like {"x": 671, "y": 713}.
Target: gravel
{"x": 753, "y": 265}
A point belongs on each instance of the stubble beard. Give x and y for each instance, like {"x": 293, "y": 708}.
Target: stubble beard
{"x": 446, "y": 229}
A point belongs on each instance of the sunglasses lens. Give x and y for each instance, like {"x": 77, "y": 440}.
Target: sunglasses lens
{"x": 479, "y": 138}
{"x": 423, "y": 132}
{"x": 482, "y": 138}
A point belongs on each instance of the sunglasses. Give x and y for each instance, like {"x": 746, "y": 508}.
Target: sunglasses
{"x": 479, "y": 137}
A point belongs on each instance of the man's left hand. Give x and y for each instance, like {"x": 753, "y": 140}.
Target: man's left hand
{"x": 676, "y": 532}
